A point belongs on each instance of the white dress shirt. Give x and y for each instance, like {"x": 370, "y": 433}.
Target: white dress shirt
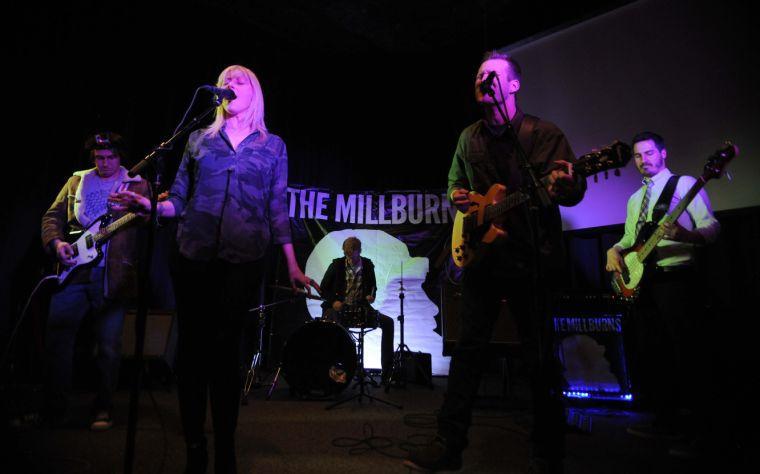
{"x": 697, "y": 217}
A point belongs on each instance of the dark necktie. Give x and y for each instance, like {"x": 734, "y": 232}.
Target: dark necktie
{"x": 644, "y": 205}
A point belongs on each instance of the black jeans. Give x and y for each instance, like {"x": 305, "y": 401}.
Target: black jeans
{"x": 481, "y": 297}
{"x": 213, "y": 299}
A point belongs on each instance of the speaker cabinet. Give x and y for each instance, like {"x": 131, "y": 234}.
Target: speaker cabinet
{"x": 416, "y": 367}
{"x": 590, "y": 345}
{"x": 160, "y": 335}
{"x": 505, "y": 338}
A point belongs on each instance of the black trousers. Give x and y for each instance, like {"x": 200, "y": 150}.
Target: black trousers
{"x": 212, "y": 303}
{"x": 481, "y": 297}
{"x": 668, "y": 357}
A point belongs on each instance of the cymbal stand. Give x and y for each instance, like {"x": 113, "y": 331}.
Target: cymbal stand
{"x": 256, "y": 361}
{"x": 398, "y": 375}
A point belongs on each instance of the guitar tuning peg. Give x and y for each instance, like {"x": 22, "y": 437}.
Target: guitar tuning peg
{"x": 596, "y": 178}
{"x": 617, "y": 172}
{"x": 606, "y": 174}
{"x": 728, "y": 176}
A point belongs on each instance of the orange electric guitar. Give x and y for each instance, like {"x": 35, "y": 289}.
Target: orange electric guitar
{"x": 479, "y": 225}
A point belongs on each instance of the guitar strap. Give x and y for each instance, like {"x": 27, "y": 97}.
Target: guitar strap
{"x": 666, "y": 197}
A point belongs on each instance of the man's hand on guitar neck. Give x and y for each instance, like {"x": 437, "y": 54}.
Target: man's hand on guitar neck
{"x": 615, "y": 262}
{"x": 461, "y": 199}
{"x": 560, "y": 181}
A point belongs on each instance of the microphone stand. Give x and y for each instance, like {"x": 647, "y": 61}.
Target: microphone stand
{"x": 541, "y": 200}
{"x": 535, "y": 185}
{"x": 144, "y": 275}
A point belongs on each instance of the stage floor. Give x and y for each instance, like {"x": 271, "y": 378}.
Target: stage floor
{"x": 289, "y": 435}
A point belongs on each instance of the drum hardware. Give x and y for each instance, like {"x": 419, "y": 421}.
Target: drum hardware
{"x": 319, "y": 359}
{"x": 255, "y": 368}
{"x": 403, "y": 354}
{"x": 361, "y": 374}
{"x": 357, "y": 316}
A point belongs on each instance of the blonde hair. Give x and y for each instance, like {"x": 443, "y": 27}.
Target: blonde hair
{"x": 254, "y": 116}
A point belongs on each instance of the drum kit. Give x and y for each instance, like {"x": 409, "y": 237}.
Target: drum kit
{"x": 320, "y": 358}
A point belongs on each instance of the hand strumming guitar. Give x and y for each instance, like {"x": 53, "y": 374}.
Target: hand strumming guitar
{"x": 461, "y": 199}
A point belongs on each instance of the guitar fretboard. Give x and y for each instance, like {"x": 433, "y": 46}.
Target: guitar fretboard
{"x": 104, "y": 233}
{"x": 610, "y": 157}
{"x": 669, "y": 218}
{"x": 512, "y": 200}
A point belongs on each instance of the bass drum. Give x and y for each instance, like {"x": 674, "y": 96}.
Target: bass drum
{"x": 319, "y": 359}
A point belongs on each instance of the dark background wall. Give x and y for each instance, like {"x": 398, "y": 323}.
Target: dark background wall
{"x": 367, "y": 94}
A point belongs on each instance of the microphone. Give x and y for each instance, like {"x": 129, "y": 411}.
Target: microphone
{"x": 486, "y": 85}
{"x": 222, "y": 93}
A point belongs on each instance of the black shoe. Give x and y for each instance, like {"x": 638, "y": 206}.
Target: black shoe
{"x": 434, "y": 457}
{"x": 659, "y": 432}
{"x": 703, "y": 450}
{"x": 545, "y": 466}
{"x": 197, "y": 458}
{"x": 685, "y": 450}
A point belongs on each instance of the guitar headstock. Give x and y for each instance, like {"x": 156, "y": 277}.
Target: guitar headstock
{"x": 614, "y": 156}
{"x": 716, "y": 163}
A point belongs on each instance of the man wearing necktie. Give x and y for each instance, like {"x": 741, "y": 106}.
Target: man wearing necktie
{"x": 667, "y": 312}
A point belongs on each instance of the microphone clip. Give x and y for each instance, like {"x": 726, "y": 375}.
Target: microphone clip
{"x": 486, "y": 85}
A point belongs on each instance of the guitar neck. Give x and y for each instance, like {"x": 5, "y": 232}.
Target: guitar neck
{"x": 512, "y": 200}
{"x": 614, "y": 156}
{"x": 669, "y": 218}
{"x": 106, "y": 232}
{"x": 515, "y": 199}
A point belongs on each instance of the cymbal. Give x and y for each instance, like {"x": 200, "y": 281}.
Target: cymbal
{"x": 297, "y": 291}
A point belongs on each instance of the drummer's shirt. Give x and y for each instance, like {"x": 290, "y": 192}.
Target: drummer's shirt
{"x": 353, "y": 282}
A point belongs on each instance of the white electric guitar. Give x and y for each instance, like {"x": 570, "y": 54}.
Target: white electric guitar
{"x": 88, "y": 246}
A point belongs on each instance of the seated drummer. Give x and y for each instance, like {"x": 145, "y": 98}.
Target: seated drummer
{"x": 349, "y": 282}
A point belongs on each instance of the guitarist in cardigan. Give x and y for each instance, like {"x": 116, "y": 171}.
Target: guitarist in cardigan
{"x": 101, "y": 288}
{"x": 486, "y": 154}
{"x": 665, "y": 307}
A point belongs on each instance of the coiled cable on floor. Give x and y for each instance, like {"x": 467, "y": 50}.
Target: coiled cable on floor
{"x": 370, "y": 442}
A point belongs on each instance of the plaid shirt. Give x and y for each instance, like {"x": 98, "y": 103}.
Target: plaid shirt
{"x": 353, "y": 282}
